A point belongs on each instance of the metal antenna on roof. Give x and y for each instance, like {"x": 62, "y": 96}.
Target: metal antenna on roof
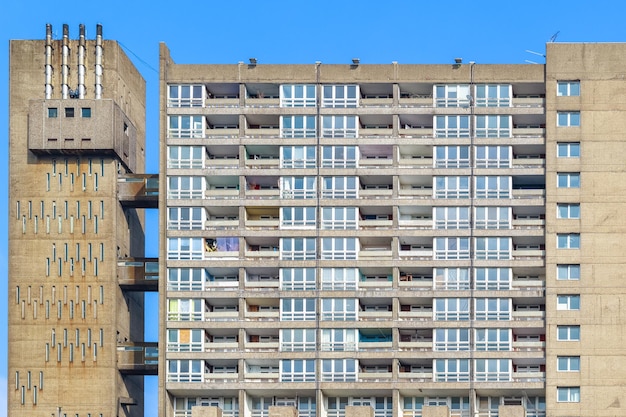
{"x": 553, "y": 37}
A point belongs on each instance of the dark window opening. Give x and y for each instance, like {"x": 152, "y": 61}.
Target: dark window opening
{"x": 69, "y": 112}
{"x": 53, "y": 112}
{"x": 85, "y": 112}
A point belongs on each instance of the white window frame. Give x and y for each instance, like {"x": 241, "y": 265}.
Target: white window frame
{"x": 568, "y": 210}
{"x": 451, "y": 370}
{"x": 298, "y": 95}
{"x": 451, "y": 248}
{"x": 298, "y": 157}
{"x": 451, "y": 279}
{"x": 498, "y": 309}
{"x": 568, "y": 240}
{"x": 185, "y": 187}
{"x": 298, "y": 126}
{"x": 340, "y": 309}
{"x": 298, "y": 187}
{"x": 493, "y": 279}
{"x": 445, "y": 339}
{"x": 568, "y": 302}
{"x": 493, "y": 126}
{"x": 299, "y": 217}
{"x": 493, "y": 95}
{"x": 490, "y": 156}
{"x": 297, "y": 309}
{"x": 185, "y": 370}
{"x": 297, "y": 279}
{"x": 452, "y": 126}
{"x": 568, "y": 333}
{"x": 345, "y": 96}
{"x": 492, "y": 370}
{"x": 492, "y": 217}
{"x": 186, "y": 157}
{"x": 568, "y": 363}
{"x": 568, "y": 119}
{"x": 568, "y": 180}
{"x": 339, "y": 370}
{"x": 185, "y": 248}
{"x": 451, "y": 309}
{"x": 493, "y": 339}
{"x": 340, "y": 156}
{"x": 297, "y": 370}
{"x": 297, "y": 340}
{"x": 185, "y": 340}
{"x": 569, "y": 88}
{"x": 340, "y": 126}
{"x": 340, "y": 187}
{"x": 185, "y": 309}
{"x": 451, "y": 217}
{"x": 451, "y": 95}
{"x": 339, "y": 248}
{"x": 185, "y": 127}
{"x": 493, "y": 248}
{"x": 493, "y": 186}
{"x": 567, "y": 394}
{"x": 451, "y": 156}
{"x": 339, "y": 340}
{"x": 568, "y": 272}
{"x": 185, "y": 218}
{"x": 186, "y": 279}
{"x": 339, "y": 279}
{"x": 568, "y": 150}
{"x": 451, "y": 186}
{"x": 339, "y": 218}
{"x": 185, "y": 95}
{"x": 297, "y": 248}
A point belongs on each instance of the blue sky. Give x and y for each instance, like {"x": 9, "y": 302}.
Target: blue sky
{"x": 294, "y": 31}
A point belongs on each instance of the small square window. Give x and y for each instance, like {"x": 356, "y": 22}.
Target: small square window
{"x": 69, "y": 112}
{"x": 568, "y": 150}
{"x": 568, "y": 118}
{"x": 568, "y": 180}
{"x": 568, "y": 272}
{"x": 85, "y": 112}
{"x": 568, "y": 88}
{"x": 568, "y": 394}
{"x": 568, "y": 241}
{"x": 568, "y": 211}
{"x": 568, "y": 302}
{"x": 568, "y": 363}
{"x": 53, "y": 112}
{"x": 568, "y": 333}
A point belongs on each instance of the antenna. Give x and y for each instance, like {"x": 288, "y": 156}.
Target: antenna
{"x": 553, "y": 37}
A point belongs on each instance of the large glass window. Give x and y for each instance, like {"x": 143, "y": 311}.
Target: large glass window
{"x": 452, "y": 278}
{"x": 339, "y": 218}
{"x": 451, "y": 248}
{"x": 568, "y": 150}
{"x": 493, "y": 370}
{"x": 334, "y": 279}
{"x": 568, "y": 118}
{"x": 339, "y": 248}
{"x": 451, "y": 156}
{"x": 185, "y": 218}
{"x": 493, "y": 248}
{"x": 451, "y": 370}
{"x": 568, "y": 394}
{"x": 568, "y": 302}
{"x": 185, "y": 127}
{"x": 568, "y": 179}
{"x": 298, "y": 95}
{"x": 297, "y": 279}
{"x": 568, "y": 211}
{"x": 339, "y": 370}
{"x": 298, "y": 157}
{"x": 184, "y": 309}
{"x": 184, "y": 370}
{"x": 493, "y": 217}
{"x": 339, "y": 156}
{"x": 568, "y": 272}
{"x": 339, "y": 126}
{"x": 185, "y": 187}
{"x": 568, "y": 240}
{"x": 568, "y": 88}
{"x": 568, "y": 363}
{"x": 493, "y": 308}
{"x": 452, "y": 127}
{"x": 297, "y": 340}
{"x": 451, "y": 339}
{"x": 185, "y": 279}
{"x": 493, "y": 156}
{"x": 451, "y": 309}
{"x": 493, "y": 278}
{"x": 451, "y": 217}
{"x": 297, "y": 127}
{"x": 340, "y": 96}
{"x": 451, "y": 187}
{"x": 185, "y": 157}
{"x": 185, "y": 95}
{"x": 493, "y": 339}
{"x": 339, "y": 340}
{"x": 297, "y": 217}
{"x": 298, "y": 187}
{"x": 297, "y": 248}
{"x": 340, "y": 187}
{"x": 493, "y": 126}
{"x": 568, "y": 333}
{"x": 493, "y": 95}
{"x": 339, "y": 309}
{"x": 297, "y": 370}
{"x": 449, "y": 95}
{"x": 185, "y": 248}
{"x": 297, "y": 309}
{"x": 493, "y": 187}
{"x": 184, "y": 340}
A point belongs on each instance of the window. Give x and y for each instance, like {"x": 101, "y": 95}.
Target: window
{"x": 568, "y": 302}
{"x": 568, "y": 272}
{"x": 493, "y": 278}
{"x": 451, "y": 156}
{"x": 185, "y": 156}
{"x": 185, "y": 127}
{"x": 493, "y": 217}
{"x": 493, "y": 126}
{"x": 297, "y": 127}
{"x": 185, "y": 218}
{"x": 185, "y": 279}
{"x": 568, "y": 363}
{"x": 339, "y": 340}
{"x": 493, "y": 156}
{"x": 493, "y": 339}
{"x": 297, "y": 279}
{"x": 452, "y": 95}
{"x": 452, "y": 127}
{"x": 568, "y": 88}
{"x": 297, "y": 340}
{"x": 568, "y": 394}
{"x": 184, "y": 340}
{"x": 451, "y": 370}
{"x": 53, "y": 112}
{"x": 340, "y": 96}
{"x": 298, "y": 95}
{"x": 297, "y": 309}
{"x": 451, "y": 217}
{"x": 452, "y": 278}
{"x": 184, "y": 95}
{"x": 339, "y": 248}
{"x": 185, "y": 248}
{"x": 568, "y": 179}
{"x": 451, "y": 187}
{"x": 298, "y": 157}
{"x": 568, "y": 333}
{"x": 493, "y": 308}
{"x": 339, "y": 157}
{"x": 184, "y": 309}
{"x": 184, "y": 370}
{"x": 339, "y": 309}
{"x": 335, "y": 279}
{"x": 568, "y": 118}
{"x": 451, "y": 309}
{"x": 339, "y": 126}
{"x": 568, "y": 150}
{"x": 69, "y": 112}
{"x": 492, "y": 370}
{"x": 339, "y": 370}
{"x": 493, "y": 248}
{"x": 568, "y": 211}
{"x": 451, "y": 248}
{"x": 568, "y": 241}
{"x": 493, "y": 95}
{"x": 297, "y": 217}
{"x": 298, "y": 187}
{"x": 297, "y": 249}
{"x": 85, "y": 112}
{"x": 451, "y": 339}
{"x": 493, "y": 187}
{"x": 340, "y": 187}
{"x": 339, "y": 218}
{"x": 185, "y": 187}
{"x": 297, "y": 370}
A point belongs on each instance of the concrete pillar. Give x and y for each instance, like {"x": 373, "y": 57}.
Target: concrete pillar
{"x": 202, "y": 411}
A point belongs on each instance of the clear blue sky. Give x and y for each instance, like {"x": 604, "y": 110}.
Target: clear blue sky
{"x": 294, "y": 31}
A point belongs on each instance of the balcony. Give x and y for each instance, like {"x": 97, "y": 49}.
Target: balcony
{"x": 538, "y": 193}
{"x": 272, "y": 315}
{"x": 415, "y": 376}
{"x": 419, "y": 315}
{"x": 528, "y": 315}
{"x": 375, "y": 224}
{"x": 262, "y": 347}
{"x": 221, "y": 224}
{"x": 425, "y": 132}
{"x": 221, "y": 377}
{"x": 529, "y": 376}
{"x": 415, "y": 223}
{"x": 374, "y": 254}
{"x": 528, "y": 224}
{"x": 221, "y": 347}
{"x": 375, "y": 315}
{"x": 375, "y": 377}
{"x": 221, "y": 193}
{"x": 529, "y": 346}
{"x": 262, "y": 377}
{"x": 221, "y": 316}
{"x": 415, "y": 192}
{"x": 422, "y": 346}
{"x": 416, "y": 254}
{"x": 375, "y": 346}
{"x": 529, "y": 102}
{"x": 529, "y": 254}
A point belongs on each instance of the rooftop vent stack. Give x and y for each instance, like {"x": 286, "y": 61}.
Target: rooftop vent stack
{"x": 98, "y": 61}
{"x": 81, "y": 61}
{"x": 65, "y": 69}
{"x": 48, "y": 69}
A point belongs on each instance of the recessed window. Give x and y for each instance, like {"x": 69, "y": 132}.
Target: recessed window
{"x": 568, "y": 302}
{"x": 53, "y": 112}
{"x": 568, "y": 363}
{"x": 568, "y": 118}
{"x": 568, "y": 88}
{"x": 568, "y": 180}
{"x": 568, "y": 150}
{"x": 568, "y": 211}
{"x": 568, "y": 240}
{"x": 568, "y": 333}
{"x": 568, "y": 394}
{"x": 568, "y": 272}
{"x": 85, "y": 112}
{"x": 69, "y": 112}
